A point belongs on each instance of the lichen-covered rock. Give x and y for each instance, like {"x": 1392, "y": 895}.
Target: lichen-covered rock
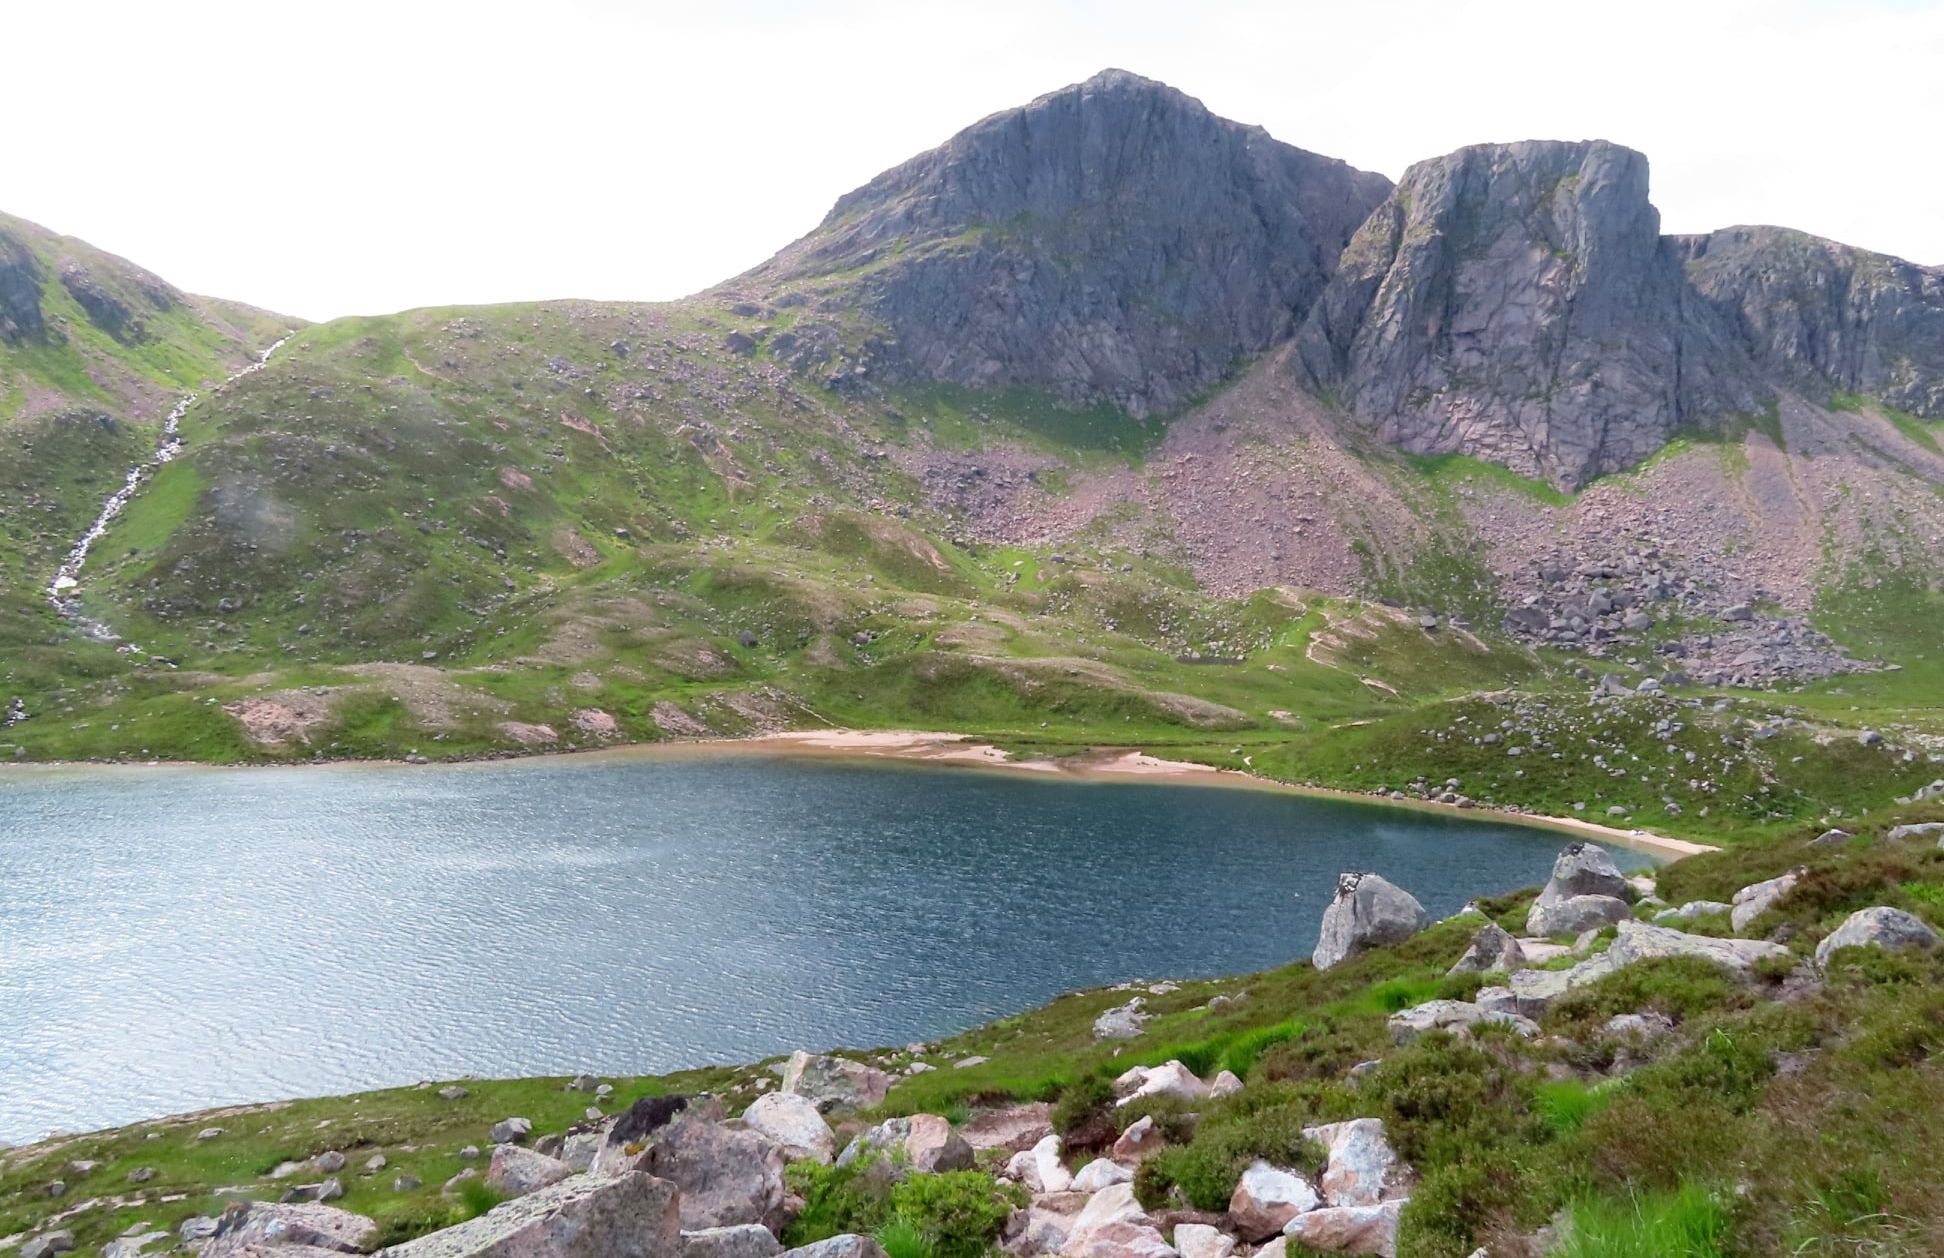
{"x": 587, "y": 1216}
{"x": 1752, "y": 901}
{"x": 1879, "y": 927}
{"x": 1367, "y": 911}
{"x": 1574, "y": 914}
{"x": 835, "y": 1082}
{"x": 1113, "y": 1225}
{"x": 794, "y": 1122}
{"x": 1101, "y": 1173}
{"x": 1362, "y": 1169}
{"x": 292, "y": 1223}
{"x": 726, "y": 1176}
{"x": 1349, "y": 1229}
{"x": 746, "y": 1240}
{"x": 1493, "y": 950}
{"x": 1458, "y": 1016}
{"x": 1266, "y": 1198}
{"x": 516, "y": 1171}
{"x": 1200, "y": 1240}
{"x": 1170, "y": 1079}
{"x": 849, "y": 1245}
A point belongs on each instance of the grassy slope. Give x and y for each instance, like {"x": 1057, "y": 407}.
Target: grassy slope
{"x": 549, "y": 509}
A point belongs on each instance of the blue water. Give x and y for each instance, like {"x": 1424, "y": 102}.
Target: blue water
{"x": 173, "y": 938}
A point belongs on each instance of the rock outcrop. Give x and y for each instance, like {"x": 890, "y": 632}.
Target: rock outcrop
{"x": 1113, "y": 241}
{"x": 1880, "y": 927}
{"x": 1818, "y": 315}
{"x": 20, "y": 294}
{"x": 587, "y": 1216}
{"x": 1517, "y": 302}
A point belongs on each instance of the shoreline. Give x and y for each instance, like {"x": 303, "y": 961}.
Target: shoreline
{"x": 940, "y": 748}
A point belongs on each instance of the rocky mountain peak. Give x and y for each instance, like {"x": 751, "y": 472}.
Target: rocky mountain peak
{"x": 1111, "y": 241}
{"x": 1517, "y": 302}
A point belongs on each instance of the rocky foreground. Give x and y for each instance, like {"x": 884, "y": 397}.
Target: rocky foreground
{"x": 1597, "y": 986}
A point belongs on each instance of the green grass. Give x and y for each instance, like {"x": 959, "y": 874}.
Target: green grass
{"x": 1691, "y": 1222}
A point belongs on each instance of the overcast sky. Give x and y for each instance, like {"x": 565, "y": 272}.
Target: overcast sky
{"x": 357, "y": 157}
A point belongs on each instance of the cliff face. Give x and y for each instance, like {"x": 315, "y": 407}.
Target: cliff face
{"x": 1818, "y": 314}
{"x": 1111, "y": 241}
{"x": 20, "y": 311}
{"x": 1518, "y": 303}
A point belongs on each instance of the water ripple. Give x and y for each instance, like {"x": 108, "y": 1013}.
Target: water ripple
{"x": 176, "y": 938}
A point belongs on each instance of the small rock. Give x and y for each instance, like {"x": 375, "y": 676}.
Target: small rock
{"x": 509, "y": 1130}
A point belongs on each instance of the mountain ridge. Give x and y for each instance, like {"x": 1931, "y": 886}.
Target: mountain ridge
{"x": 475, "y": 530}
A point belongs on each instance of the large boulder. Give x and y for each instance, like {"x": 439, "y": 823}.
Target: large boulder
{"x": 1880, "y": 927}
{"x": 1585, "y": 869}
{"x": 1113, "y": 1225}
{"x": 746, "y": 1240}
{"x": 1100, "y": 1173}
{"x": 835, "y": 1082}
{"x": 1368, "y": 911}
{"x": 1752, "y": 901}
{"x": 1266, "y": 1198}
{"x": 1493, "y": 950}
{"x": 1015, "y": 1127}
{"x": 1363, "y": 1169}
{"x": 1170, "y": 1079}
{"x": 1349, "y": 1229}
{"x": 248, "y": 1223}
{"x": 1202, "y": 1240}
{"x": 1641, "y": 941}
{"x": 628, "y": 1135}
{"x": 795, "y": 1123}
{"x": 517, "y": 1171}
{"x": 932, "y": 1146}
{"x": 586, "y": 1216}
{"x": 1573, "y": 914}
{"x": 726, "y": 1176}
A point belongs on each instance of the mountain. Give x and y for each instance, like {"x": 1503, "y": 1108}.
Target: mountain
{"x": 1519, "y": 304}
{"x": 1110, "y": 242}
{"x": 1108, "y": 420}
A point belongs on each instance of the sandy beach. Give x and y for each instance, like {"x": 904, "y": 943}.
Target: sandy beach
{"x": 943, "y": 748}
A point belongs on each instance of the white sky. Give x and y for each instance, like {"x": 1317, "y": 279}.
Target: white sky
{"x": 356, "y": 157}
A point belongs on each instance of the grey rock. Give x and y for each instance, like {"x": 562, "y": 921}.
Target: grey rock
{"x": 587, "y": 1216}
{"x": 47, "y": 1244}
{"x": 747, "y": 1240}
{"x": 1880, "y": 927}
{"x": 726, "y": 1176}
{"x": 1457, "y": 1016}
{"x": 1831, "y": 838}
{"x": 794, "y": 1123}
{"x": 132, "y": 1246}
{"x": 835, "y": 1082}
{"x": 509, "y": 1130}
{"x": 1586, "y": 869}
{"x": 1573, "y": 914}
{"x": 20, "y": 296}
{"x": 316, "y": 1226}
{"x": 849, "y": 1245}
{"x": 1492, "y": 951}
{"x": 1693, "y": 909}
{"x": 1367, "y": 911}
{"x": 1122, "y": 1022}
{"x": 1758, "y": 898}
{"x": 1920, "y": 830}
{"x": 516, "y": 1172}
{"x": 1112, "y": 241}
